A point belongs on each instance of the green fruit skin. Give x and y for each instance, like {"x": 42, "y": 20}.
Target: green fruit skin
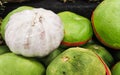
{"x": 48, "y": 59}
{"x": 116, "y": 69}
{"x": 11, "y": 64}
{"x": 76, "y": 61}
{"x": 102, "y": 52}
{"x": 77, "y": 28}
{"x": 6, "y": 19}
{"x": 4, "y": 49}
{"x": 106, "y": 23}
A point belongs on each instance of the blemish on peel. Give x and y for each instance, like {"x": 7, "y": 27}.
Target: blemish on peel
{"x": 77, "y": 18}
{"x": 26, "y": 45}
{"x": 65, "y": 58}
{"x": 96, "y": 47}
{"x": 40, "y": 19}
{"x": 64, "y": 73}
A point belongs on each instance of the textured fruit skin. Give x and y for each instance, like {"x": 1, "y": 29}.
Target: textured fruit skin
{"x": 77, "y": 29}
{"x": 102, "y": 52}
{"x": 76, "y": 61}
{"x": 36, "y": 32}
{"x": 48, "y": 59}
{"x": 11, "y": 64}
{"x": 6, "y": 19}
{"x": 116, "y": 69}
{"x": 105, "y": 21}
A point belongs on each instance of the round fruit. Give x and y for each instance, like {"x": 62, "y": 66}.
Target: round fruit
{"x": 11, "y": 64}
{"x": 48, "y": 59}
{"x": 32, "y": 33}
{"x": 77, "y": 61}
{"x": 6, "y": 19}
{"x": 116, "y": 69}
{"x": 77, "y": 29}
{"x": 102, "y": 52}
{"x": 106, "y": 23}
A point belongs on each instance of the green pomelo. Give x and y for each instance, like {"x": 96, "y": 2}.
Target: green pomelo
{"x": 106, "y": 23}
{"x": 4, "y": 49}
{"x": 6, "y": 19}
{"x": 11, "y": 64}
{"x": 102, "y": 52}
{"x": 78, "y": 29}
{"x": 116, "y": 69}
{"x": 76, "y": 61}
{"x": 48, "y": 59}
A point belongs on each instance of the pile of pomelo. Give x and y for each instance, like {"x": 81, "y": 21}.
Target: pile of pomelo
{"x": 41, "y": 42}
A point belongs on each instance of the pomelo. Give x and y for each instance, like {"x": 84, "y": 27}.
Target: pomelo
{"x": 32, "y": 32}
{"x": 106, "y": 23}
{"x": 77, "y": 61}
{"x": 12, "y": 64}
{"x": 116, "y": 69}
{"x": 77, "y": 29}
{"x": 6, "y": 19}
{"x": 102, "y": 52}
{"x": 48, "y": 59}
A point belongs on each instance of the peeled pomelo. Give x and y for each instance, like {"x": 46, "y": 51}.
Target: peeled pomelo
{"x": 6, "y": 19}
{"x": 32, "y": 32}
{"x": 77, "y": 61}
{"x": 11, "y": 64}
{"x": 77, "y": 29}
{"x": 106, "y": 23}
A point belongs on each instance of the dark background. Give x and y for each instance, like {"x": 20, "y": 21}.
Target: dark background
{"x": 81, "y": 7}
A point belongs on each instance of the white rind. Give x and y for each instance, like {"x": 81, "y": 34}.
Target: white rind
{"x": 34, "y": 32}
